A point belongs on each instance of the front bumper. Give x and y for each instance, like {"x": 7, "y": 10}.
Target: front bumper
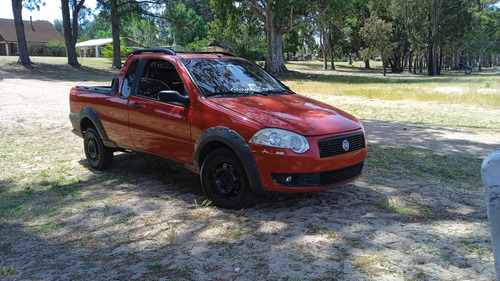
{"x": 282, "y": 170}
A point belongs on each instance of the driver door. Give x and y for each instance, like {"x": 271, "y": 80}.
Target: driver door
{"x": 157, "y": 127}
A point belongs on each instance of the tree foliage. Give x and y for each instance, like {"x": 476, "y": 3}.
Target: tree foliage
{"x": 123, "y": 8}
{"x": 432, "y": 34}
{"x": 278, "y": 18}
{"x": 429, "y": 21}
{"x": 186, "y": 24}
{"x": 240, "y": 31}
{"x": 377, "y": 33}
{"x": 291, "y": 44}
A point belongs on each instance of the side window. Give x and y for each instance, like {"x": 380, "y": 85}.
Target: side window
{"x": 128, "y": 82}
{"x": 159, "y": 75}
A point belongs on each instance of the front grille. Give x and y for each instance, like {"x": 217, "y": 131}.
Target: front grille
{"x": 341, "y": 175}
{"x": 333, "y": 146}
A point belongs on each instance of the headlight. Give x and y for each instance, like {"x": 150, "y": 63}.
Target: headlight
{"x": 281, "y": 138}
{"x": 363, "y": 128}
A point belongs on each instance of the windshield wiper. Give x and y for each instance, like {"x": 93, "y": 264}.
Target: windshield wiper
{"x": 236, "y": 94}
{"x": 212, "y": 94}
{"x": 257, "y": 93}
{"x": 279, "y": 92}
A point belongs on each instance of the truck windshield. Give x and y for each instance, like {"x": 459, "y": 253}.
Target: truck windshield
{"x": 232, "y": 77}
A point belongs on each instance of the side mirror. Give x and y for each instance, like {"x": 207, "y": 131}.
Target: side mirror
{"x": 170, "y": 96}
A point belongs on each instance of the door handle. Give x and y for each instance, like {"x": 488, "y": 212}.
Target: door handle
{"x": 135, "y": 105}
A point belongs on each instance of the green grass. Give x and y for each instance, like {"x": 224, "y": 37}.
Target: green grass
{"x": 6, "y": 270}
{"x": 480, "y": 89}
{"x": 446, "y": 100}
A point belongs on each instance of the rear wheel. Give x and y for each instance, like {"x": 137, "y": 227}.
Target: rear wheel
{"x": 99, "y": 156}
{"x": 224, "y": 180}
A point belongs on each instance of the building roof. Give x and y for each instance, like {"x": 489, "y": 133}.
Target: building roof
{"x": 35, "y": 31}
{"x": 104, "y": 41}
{"x": 94, "y": 42}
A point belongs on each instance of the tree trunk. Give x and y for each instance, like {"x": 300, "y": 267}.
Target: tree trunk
{"x": 481, "y": 55}
{"x": 330, "y": 49}
{"x": 396, "y": 64}
{"x": 415, "y": 65}
{"x": 264, "y": 11}
{"x": 115, "y": 30}
{"x": 322, "y": 40}
{"x": 70, "y": 30}
{"x": 22, "y": 45}
{"x": 439, "y": 61}
{"x": 275, "y": 63}
{"x": 410, "y": 61}
{"x": 72, "y": 50}
{"x": 456, "y": 59}
{"x": 332, "y": 61}
{"x": 367, "y": 64}
{"x": 431, "y": 58}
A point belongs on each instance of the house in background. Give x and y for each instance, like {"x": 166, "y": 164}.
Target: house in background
{"x": 38, "y": 34}
{"x": 216, "y": 47}
{"x": 93, "y": 48}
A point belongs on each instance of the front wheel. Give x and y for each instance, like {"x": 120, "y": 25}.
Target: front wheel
{"x": 98, "y": 155}
{"x": 224, "y": 180}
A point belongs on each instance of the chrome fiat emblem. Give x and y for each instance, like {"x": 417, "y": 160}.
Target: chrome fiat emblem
{"x": 345, "y": 145}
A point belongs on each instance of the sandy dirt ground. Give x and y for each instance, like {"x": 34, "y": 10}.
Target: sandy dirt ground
{"x": 145, "y": 219}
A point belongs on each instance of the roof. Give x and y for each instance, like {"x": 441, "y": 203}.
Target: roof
{"x": 102, "y": 42}
{"x": 35, "y": 31}
{"x": 94, "y": 42}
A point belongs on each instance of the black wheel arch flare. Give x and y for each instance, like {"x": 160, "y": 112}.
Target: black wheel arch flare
{"x": 222, "y": 136}
{"x": 80, "y": 124}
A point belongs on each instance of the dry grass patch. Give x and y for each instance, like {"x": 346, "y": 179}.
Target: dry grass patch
{"x": 397, "y": 205}
{"x": 371, "y": 265}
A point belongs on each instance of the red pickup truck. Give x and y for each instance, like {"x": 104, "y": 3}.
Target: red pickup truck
{"x": 225, "y": 118}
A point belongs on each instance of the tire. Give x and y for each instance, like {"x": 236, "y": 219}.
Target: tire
{"x": 99, "y": 156}
{"x": 224, "y": 180}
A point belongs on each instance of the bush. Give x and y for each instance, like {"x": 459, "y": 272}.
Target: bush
{"x": 56, "y": 48}
{"x": 35, "y": 49}
{"x": 107, "y": 52}
{"x": 197, "y": 45}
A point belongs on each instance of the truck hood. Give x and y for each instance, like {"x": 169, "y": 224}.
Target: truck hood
{"x": 296, "y": 113}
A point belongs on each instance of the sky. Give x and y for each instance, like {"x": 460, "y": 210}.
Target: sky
{"x": 50, "y": 12}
